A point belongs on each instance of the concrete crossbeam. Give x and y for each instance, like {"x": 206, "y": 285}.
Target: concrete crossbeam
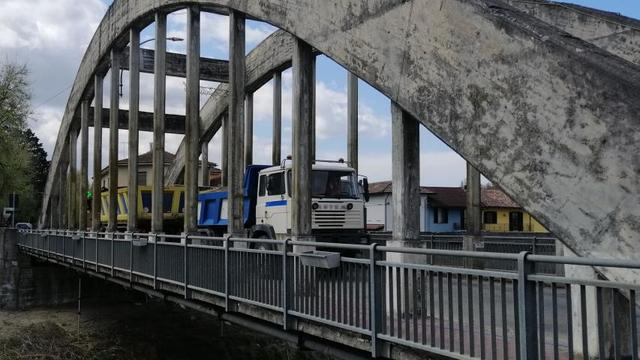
{"x": 174, "y": 124}
{"x": 215, "y": 70}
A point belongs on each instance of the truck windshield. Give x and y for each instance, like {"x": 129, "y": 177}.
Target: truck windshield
{"x": 331, "y": 184}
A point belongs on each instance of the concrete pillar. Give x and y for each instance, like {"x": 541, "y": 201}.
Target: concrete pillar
{"x": 248, "y": 130}
{"x": 113, "y": 139}
{"x": 224, "y": 151}
{"x": 63, "y": 191}
{"x": 97, "y": 153}
{"x": 473, "y": 216}
{"x": 352, "y": 124}
{"x": 192, "y": 119}
{"x": 159, "y": 94}
{"x": 72, "y": 178}
{"x": 84, "y": 165}
{"x": 236, "y": 122}
{"x": 313, "y": 108}
{"x": 405, "y": 191}
{"x": 302, "y": 118}
{"x": 204, "y": 181}
{"x": 276, "y": 143}
{"x": 613, "y": 311}
{"x": 134, "y": 138}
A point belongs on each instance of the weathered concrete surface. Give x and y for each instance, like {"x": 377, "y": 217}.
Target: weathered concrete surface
{"x": 550, "y": 118}
{"x": 270, "y": 56}
{"x": 174, "y": 124}
{"x": 210, "y": 69}
{"x": 612, "y": 32}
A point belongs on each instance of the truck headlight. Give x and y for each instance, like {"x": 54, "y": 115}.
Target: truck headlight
{"x": 349, "y": 206}
{"x": 315, "y": 206}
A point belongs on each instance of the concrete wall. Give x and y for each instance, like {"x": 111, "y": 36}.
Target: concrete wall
{"x": 455, "y": 217}
{"x": 25, "y": 282}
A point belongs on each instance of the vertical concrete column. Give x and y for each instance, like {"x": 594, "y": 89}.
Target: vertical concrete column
{"x": 248, "y": 130}
{"x": 236, "y": 121}
{"x": 159, "y": 95}
{"x": 352, "y": 115}
{"x": 63, "y": 191}
{"x": 205, "y": 164}
{"x": 276, "y": 143}
{"x": 72, "y": 178}
{"x": 84, "y": 165}
{"x": 405, "y": 192}
{"x": 302, "y": 118}
{"x": 473, "y": 216}
{"x": 97, "y": 153}
{"x": 113, "y": 139}
{"x": 134, "y": 138}
{"x": 192, "y": 129}
{"x": 224, "y": 151}
{"x": 313, "y": 108}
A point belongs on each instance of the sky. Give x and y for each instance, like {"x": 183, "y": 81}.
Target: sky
{"x": 50, "y": 37}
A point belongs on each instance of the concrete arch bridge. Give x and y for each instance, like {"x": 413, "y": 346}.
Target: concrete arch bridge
{"x": 541, "y": 98}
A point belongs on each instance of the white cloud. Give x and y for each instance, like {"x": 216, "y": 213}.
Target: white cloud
{"x": 441, "y": 168}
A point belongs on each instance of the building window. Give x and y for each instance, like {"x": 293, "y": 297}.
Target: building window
{"x": 490, "y": 217}
{"x": 142, "y": 178}
{"x": 440, "y": 215}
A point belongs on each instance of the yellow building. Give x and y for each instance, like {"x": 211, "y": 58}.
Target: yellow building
{"x": 501, "y": 214}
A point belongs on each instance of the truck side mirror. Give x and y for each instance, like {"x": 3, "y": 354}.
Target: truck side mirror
{"x": 365, "y": 187}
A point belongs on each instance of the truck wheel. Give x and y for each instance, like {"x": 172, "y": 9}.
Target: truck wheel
{"x": 263, "y": 246}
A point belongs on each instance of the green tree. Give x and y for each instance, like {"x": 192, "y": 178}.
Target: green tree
{"x": 15, "y": 107}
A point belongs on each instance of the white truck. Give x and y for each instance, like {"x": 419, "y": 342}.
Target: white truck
{"x": 337, "y": 205}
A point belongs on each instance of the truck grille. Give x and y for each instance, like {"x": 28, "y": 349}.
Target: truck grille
{"x": 328, "y": 218}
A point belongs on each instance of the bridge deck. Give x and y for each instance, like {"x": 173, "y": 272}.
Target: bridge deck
{"x": 442, "y": 309}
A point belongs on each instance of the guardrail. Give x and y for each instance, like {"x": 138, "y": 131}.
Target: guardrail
{"x": 388, "y": 295}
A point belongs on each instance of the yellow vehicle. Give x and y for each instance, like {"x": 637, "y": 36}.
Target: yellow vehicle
{"x": 173, "y": 205}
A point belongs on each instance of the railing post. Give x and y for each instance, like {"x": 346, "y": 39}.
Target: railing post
{"x": 527, "y": 309}
{"x": 375, "y": 287}
{"x": 226, "y": 272}
{"x": 84, "y": 251}
{"x": 113, "y": 235}
{"x": 131, "y": 258}
{"x": 186, "y": 266}
{"x": 285, "y": 287}
{"x": 97, "y": 242}
{"x": 155, "y": 260}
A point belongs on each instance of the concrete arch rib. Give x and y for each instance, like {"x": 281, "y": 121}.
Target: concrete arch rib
{"x": 548, "y": 117}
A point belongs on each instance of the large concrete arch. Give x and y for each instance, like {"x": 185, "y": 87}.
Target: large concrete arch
{"x": 550, "y": 118}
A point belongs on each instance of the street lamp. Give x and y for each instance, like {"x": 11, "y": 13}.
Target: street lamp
{"x": 173, "y": 38}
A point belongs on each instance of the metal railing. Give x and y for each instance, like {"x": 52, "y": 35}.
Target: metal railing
{"x": 388, "y": 295}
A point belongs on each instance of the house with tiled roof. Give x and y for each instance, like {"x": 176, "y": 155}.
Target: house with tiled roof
{"x": 144, "y": 175}
{"x": 501, "y": 214}
{"x": 442, "y": 209}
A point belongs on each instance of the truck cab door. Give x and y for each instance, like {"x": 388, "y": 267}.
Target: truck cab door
{"x": 271, "y": 205}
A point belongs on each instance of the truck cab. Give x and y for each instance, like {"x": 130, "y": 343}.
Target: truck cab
{"x": 337, "y": 205}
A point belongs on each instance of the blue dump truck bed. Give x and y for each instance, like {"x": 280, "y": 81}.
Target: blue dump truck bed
{"x": 210, "y": 203}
